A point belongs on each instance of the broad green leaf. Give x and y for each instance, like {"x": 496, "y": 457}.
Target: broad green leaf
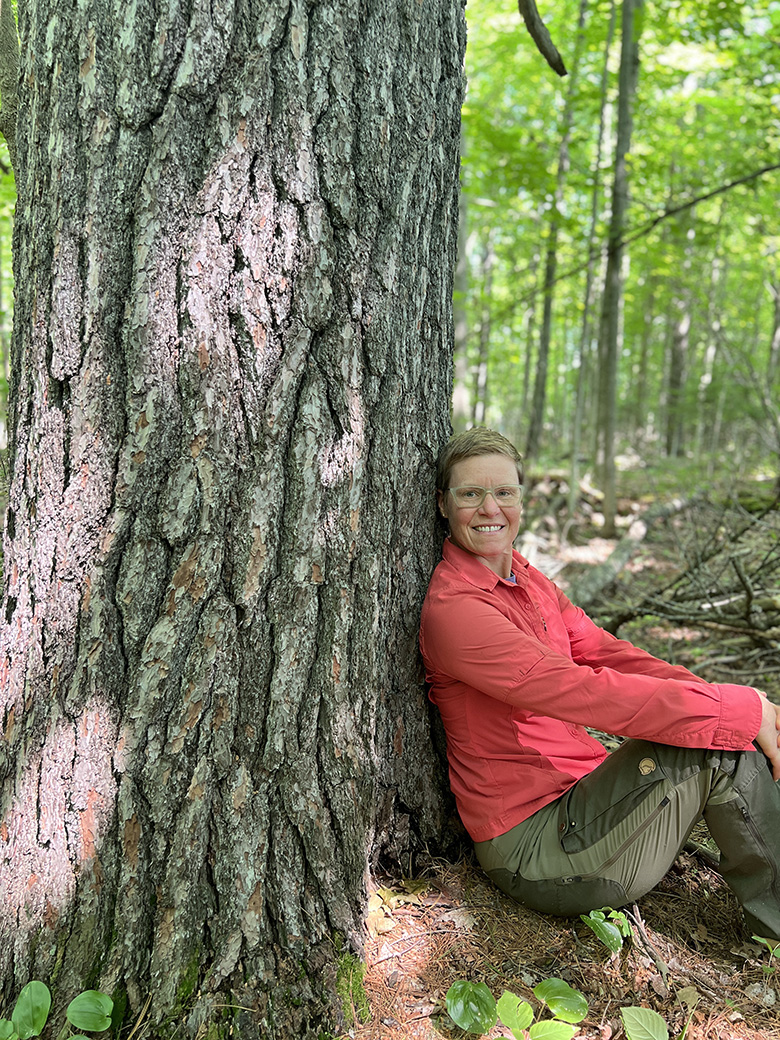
{"x": 7, "y": 1031}
{"x": 90, "y": 1010}
{"x": 552, "y": 1030}
{"x": 621, "y": 922}
{"x": 471, "y": 1006}
{"x": 515, "y": 1013}
{"x": 606, "y": 931}
{"x": 564, "y": 1002}
{"x": 643, "y": 1024}
{"x": 32, "y": 1009}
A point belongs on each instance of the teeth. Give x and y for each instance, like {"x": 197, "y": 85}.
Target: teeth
{"x": 495, "y": 528}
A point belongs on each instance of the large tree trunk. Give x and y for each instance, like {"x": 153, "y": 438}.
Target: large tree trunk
{"x": 235, "y": 240}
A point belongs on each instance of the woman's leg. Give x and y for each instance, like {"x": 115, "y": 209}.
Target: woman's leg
{"x": 613, "y": 836}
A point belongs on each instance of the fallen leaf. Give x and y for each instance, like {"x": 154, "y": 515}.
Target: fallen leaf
{"x": 461, "y": 919}
{"x": 689, "y": 996}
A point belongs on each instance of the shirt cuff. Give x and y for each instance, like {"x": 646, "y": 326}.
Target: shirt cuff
{"x": 740, "y": 717}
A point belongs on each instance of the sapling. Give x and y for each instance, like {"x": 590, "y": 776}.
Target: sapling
{"x": 611, "y": 926}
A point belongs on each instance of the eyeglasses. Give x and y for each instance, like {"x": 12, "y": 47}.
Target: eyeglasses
{"x": 510, "y": 495}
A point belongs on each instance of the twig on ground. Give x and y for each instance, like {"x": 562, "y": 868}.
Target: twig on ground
{"x": 639, "y": 924}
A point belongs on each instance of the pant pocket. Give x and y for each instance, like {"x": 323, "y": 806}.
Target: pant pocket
{"x": 601, "y": 801}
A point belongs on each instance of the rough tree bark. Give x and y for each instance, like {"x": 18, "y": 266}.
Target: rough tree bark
{"x": 235, "y": 239}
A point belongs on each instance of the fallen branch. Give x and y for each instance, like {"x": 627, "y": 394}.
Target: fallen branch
{"x": 584, "y": 590}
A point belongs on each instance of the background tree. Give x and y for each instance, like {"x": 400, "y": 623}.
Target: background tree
{"x": 235, "y": 238}
{"x": 610, "y": 333}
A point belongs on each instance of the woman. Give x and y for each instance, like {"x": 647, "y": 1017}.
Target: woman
{"x": 517, "y": 671}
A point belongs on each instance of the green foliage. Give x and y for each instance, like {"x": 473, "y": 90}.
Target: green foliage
{"x": 472, "y": 1007}
{"x": 31, "y": 1010}
{"x": 706, "y": 117}
{"x": 90, "y": 1010}
{"x": 564, "y": 1002}
{"x": 774, "y": 954}
{"x": 643, "y": 1024}
{"x": 611, "y": 926}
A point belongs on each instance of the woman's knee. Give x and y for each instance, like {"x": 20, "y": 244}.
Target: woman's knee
{"x": 563, "y": 897}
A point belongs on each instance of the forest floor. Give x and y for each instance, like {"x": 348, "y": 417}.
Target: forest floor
{"x": 690, "y": 957}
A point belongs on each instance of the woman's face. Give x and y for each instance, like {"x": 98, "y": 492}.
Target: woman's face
{"x": 488, "y": 531}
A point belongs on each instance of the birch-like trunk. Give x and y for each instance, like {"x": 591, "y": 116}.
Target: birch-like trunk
{"x": 235, "y": 239}
{"x": 610, "y": 335}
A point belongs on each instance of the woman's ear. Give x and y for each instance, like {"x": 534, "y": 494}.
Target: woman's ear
{"x": 441, "y": 498}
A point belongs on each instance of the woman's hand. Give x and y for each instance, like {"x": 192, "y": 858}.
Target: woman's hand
{"x": 768, "y": 736}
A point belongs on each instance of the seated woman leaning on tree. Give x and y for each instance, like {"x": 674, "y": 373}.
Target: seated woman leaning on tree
{"x": 517, "y": 671}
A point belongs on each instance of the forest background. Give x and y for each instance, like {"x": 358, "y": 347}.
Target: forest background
{"x": 699, "y": 336}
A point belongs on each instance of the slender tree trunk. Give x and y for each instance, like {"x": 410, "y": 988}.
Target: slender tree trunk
{"x": 530, "y": 328}
{"x": 480, "y": 392}
{"x": 677, "y": 369}
{"x": 235, "y": 239}
{"x": 586, "y": 351}
{"x": 461, "y": 394}
{"x": 773, "y": 359}
{"x": 712, "y": 346}
{"x": 613, "y": 286}
{"x": 679, "y": 365}
{"x": 551, "y": 258}
{"x": 641, "y": 409}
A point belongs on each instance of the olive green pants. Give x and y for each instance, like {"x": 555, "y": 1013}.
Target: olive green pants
{"x": 616, "y": 832}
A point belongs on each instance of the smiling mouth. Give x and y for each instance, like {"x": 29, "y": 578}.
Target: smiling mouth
{"x": 490, "y": 527}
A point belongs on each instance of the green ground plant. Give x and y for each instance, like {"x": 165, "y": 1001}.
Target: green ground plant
{"x": 473, "y": 1008}
{"x": 611, "y": 926}
{"x": 89, "y": 1012}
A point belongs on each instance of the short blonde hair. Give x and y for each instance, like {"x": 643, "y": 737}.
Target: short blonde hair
{"x": 470, "y": 444}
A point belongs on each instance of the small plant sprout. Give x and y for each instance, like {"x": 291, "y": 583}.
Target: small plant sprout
{"x": 90, "y": 1010}
{"x": 471, "y": 1006}
{"x": 688, "y": 997}
{"x": 774, "y": 953}
{"x": 611, "y": 926}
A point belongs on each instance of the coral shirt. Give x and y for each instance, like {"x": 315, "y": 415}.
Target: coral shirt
{"x": 517, "y": 671}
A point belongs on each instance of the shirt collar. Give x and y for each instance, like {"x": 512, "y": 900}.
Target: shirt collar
{"x": 476, "y": 573}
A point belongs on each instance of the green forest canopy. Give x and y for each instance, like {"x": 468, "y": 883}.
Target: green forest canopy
{"x": 699, "y": 368}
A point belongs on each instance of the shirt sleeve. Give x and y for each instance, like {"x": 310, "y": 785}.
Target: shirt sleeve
{"x": 593, "y": 645}
{"x": 607, "y": 684}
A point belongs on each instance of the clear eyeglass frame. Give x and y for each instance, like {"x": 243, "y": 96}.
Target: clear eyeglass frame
{"x": 472, "y": 496}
